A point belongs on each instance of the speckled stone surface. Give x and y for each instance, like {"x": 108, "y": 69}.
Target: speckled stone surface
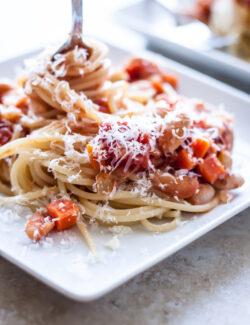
{"x": 207, "y": 282}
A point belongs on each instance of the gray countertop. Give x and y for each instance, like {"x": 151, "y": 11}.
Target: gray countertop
{"x": 208, "y": 282}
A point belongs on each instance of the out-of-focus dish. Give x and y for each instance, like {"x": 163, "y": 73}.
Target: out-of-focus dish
{"x": 187, "y": 43}
{"x": 226, "y": 17}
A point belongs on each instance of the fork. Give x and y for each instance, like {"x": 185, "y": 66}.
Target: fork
{"x": 75, "y": 37}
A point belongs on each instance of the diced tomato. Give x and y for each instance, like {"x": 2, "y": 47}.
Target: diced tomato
{"x": 185, "y": 160}
{"x": 200, "y": 147}
{"x": 103, "y": 104}
{"x": 94, "y": 163}
{"x": 139, "y": 68}
{"x": 64, "y": 212}
{"x": 211, "y": 168}
{"x": 171, "y": 79}
{"x": 158, "y": 85}
{"x": 6, "y": 131}
{"x": 23, "y": 104}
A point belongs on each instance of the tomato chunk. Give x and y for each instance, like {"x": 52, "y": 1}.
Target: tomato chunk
{"x": 6, "y": 131}
{"x": 211, "y": 168}
{"x": 64, "y": 212}
{"x": 94, "y": 163}
{"x": 139, "y": 68}
{"x": 23, "y": 104}
{"x": 200, "y": 147}
{"x": 158, "y": 85}
{"x": 171, "y": 79}
{"x": 185, "y": 159}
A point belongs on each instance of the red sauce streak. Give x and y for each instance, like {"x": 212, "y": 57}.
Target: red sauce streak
{"x": 115, "y": 153}
{"x": 138, "y": 69}
{"x": 103, "y": 105}
{"x": 6, "y": 131}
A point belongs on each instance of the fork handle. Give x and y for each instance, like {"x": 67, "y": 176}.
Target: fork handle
{"x": 77, "y": 18}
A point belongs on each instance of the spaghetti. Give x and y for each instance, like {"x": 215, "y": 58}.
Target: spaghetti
{"x": 82, "y": 142}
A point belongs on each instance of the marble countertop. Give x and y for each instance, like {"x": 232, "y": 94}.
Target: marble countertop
{"x": 207, "y": 282}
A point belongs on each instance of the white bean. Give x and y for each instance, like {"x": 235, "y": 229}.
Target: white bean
{"x": 204, "y": 194}
{"x": 230, "y": 182}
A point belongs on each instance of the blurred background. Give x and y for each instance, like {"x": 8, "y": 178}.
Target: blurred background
{"x": 214, "y": 39}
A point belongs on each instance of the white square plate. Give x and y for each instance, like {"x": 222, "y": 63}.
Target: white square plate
{"x": 63, "y": 261}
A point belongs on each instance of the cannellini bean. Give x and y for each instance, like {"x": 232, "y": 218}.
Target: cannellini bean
{"x": 174, "y": 133}
{"x": 204, "y": 194}
{"x": 181, "y": 186}
{"x": 230, "y": 182}
{"x": 226, "y": 159}
{"x": 225, "y": 196}
{"x": 39, "y": 226}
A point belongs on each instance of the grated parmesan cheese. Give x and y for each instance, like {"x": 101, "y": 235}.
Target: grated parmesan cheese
{"x": 113, "y": 243}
